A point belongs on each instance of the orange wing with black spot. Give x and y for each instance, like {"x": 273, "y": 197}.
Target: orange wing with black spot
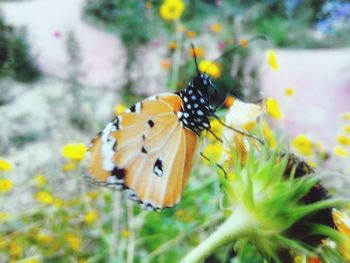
{"x": 146, "y": 151}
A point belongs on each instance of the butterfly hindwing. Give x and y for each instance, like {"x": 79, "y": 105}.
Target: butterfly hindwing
{"x": 146, "y": 151}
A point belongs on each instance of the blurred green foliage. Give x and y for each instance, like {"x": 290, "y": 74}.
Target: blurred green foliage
{"x": 288, "y": 23}
{"x": 15, "y": 58}
{"x": 128, "y": 18}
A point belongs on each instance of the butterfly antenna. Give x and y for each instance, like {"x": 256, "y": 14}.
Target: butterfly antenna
{"x": 258, "y": 37}
{"x": 238, "y": 131}
{"x": 217, "y": 165}
{"x": 195, "y": 57}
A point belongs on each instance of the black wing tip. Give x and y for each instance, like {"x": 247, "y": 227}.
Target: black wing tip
{"x": 131, "y": 194}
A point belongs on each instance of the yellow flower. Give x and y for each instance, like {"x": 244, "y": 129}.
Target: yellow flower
{"x": 165, "y": 64}
{"x": 44, "y": 197}
{"x": 198, "y": 51}
{"x": 273, "y": 108}
{"x": 289, "y": 91}
{"x": 243, "y": 42}
{"x": 5, "y": 166}
{"x": 242, "y": 116}
{"x": 74, "y": 241}
{"x": 340, "y": 151}
{"x": 43, "y": 237}
{"x": 172, "y": 9}
{"x": 40, "y": 180}
{"x": 346, "y": 116}
{"x": 209, "y": 67}
{"x": 57, "y": 202}
{"x": 216, "y": 128}
{"x": 214, "y": 151}
{"x": 229, "y": 101}
{"x": 93, "y": 195}
{"x": 120, "y": 108}
{"x": 249, "y": 126}
{"x": 172, "y": 45}
{"x": 302, "y": 144}
{"x": 70, "y": 166}
{"x": 342, "y": 223}
{"x": 125, "y": 233}
{"x": 3, "y": 242}
{"x": 272, "y": 60}
{"x": 269, "y": 135}
{"x": 231, "y": 176}
{"x": 15, "y": 249}
{"x": 90, "y": 217}
{"x": 148, "y": 5}
{"x": 299, "y": 259}
{"x": 74, "y": 152}
{"x": 191, "y": 34}
{"x": 216, "y": 28}
{"x": 343, "y": 140}
{"x": 346, "y": 128}
{"x": 5, "y": 185}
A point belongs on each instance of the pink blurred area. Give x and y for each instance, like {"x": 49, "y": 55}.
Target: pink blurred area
{"x": 48, "y": 23}
{"x": 321, "y": 79}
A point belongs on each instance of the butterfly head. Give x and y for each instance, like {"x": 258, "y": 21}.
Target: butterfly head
{"x": 204, "y": 85}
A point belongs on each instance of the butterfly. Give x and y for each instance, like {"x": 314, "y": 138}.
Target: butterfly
{"x": 148, "y": 150}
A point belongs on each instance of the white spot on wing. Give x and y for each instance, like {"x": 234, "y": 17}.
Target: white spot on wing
{"x": 107, "y": 147}
{"x": 111, "y": 180}
{"x": 200, "y": 113}
{"x": 138, "y": 107}
{"x": 158, "y": 167}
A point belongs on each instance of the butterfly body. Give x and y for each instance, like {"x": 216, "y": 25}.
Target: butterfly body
{"x": 197, "y": 109}
{"x": 147, "y": 151}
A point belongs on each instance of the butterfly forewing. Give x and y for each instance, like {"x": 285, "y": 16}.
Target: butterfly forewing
{"x": 145, "y": 151}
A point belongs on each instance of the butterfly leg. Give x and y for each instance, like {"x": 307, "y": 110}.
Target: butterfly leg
{"x": 217, "y": 165}
{"x": 238, "y": 131}
{"x": 216, "y": 137}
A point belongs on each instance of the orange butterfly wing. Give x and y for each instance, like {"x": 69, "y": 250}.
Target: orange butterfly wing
{"x": 145, "y": 151}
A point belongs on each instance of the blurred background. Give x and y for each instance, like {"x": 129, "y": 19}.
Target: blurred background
{"x": 67, "y": 67}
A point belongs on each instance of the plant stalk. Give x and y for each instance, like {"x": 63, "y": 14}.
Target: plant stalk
{"x": 235, "y": 226}
{"x": 176, "y": 57}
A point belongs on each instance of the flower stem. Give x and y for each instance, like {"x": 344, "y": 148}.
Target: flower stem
{"x": 234, "y": 227}
{"x": 115, "y": 225}
{"x": 176, "y": 58}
